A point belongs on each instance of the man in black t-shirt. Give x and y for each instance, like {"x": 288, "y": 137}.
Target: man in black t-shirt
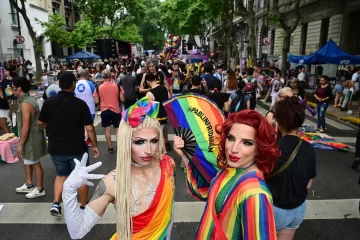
{"x": 160, "y": 94}
{"x": 65, "y": 116}
{"x": 195, "y": 86}
{"x": 129, "y": 84}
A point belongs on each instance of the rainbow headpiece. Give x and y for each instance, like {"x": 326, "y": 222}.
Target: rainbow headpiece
{"x": 135, "y": 114}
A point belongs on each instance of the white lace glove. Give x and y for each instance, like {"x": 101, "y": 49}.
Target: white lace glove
{"x": 79, "y": 222}
{"x": 80, "y": 175}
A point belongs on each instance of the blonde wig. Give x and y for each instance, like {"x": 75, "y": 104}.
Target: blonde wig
{"x": 123, "y": 172}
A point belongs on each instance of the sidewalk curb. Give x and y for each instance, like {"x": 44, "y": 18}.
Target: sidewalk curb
{"x": 312, "y": 105}
{"x": 352, "y": 120}
{"x": 332, "y": 116}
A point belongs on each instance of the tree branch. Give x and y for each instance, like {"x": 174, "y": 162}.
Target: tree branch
{"x": 22, "y": 10}
{"x": 298, "y": 16}
{"x": 242, "y": 9}
{"x": 281, "y": 16}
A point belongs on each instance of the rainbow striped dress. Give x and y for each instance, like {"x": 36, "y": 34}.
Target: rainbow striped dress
{"x": 237, "y": 207}
{"x": 156, "y": 222}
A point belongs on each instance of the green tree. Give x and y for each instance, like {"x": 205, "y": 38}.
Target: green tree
{"x": 150, "y": 27}
{"x": 111, "y": 12}
{"x": 249, "y": 14}
{"x": 289, "y": 28}
{"x": 55, "y": 31}
{"x": 83, "y": 34}
{"x": 127, "y": 33}
{"x": 227, "y": 16}
{"x": 189, "y": 16}
{"x": 37, "y": 40}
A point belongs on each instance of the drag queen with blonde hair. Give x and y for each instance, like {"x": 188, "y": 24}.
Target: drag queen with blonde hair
{"x": 141, "y": 188}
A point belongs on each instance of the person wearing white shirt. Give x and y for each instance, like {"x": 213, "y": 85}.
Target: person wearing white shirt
{"x": 30, "y": 70}
{"x": 85, "y": 90}
{"x": 301, "y": 77}
{"x": 277, "y": 83}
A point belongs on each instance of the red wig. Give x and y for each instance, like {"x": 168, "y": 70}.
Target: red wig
{"x": 268, "y": 151}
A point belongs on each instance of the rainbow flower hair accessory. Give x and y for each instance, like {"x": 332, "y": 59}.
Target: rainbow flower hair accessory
{"x": 135, "y": 114}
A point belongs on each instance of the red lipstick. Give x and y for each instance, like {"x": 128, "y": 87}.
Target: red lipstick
{"x": 146, "y": 159}
{"x": 234, "y": 158}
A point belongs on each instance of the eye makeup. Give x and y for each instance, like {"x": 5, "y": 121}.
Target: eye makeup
{"x": 247, "y": 142}
{"x": 140, "y": 141}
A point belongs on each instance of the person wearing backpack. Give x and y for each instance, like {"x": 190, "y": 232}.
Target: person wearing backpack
{"x": 250, "y": 87}
{"x": 238, "y": 101}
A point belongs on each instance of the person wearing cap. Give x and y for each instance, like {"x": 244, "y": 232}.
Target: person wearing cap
{"x": 65, "y": 116}
{"x": 32, "y": 144}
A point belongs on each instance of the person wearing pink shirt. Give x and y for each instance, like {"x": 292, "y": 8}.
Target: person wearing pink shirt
{"x": 109, "y": 95}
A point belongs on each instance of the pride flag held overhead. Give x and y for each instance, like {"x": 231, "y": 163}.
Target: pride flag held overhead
{"x": 194, "y": 118}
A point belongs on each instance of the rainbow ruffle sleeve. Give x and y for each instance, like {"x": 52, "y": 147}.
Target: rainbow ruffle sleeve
{"x": 197, "y": 185}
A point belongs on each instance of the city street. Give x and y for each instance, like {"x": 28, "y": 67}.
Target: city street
{"x": 333, "y": 206}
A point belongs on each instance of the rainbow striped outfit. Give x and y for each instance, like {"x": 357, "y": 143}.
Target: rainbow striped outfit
{"x": 237, "y": 207}
{"x": 156, "y": 222}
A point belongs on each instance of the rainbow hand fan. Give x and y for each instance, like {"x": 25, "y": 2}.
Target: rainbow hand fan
{"x": 194, "y": 118}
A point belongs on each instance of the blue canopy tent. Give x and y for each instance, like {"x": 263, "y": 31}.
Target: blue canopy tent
{"x": 330, "y": 53}
{"x": 83, "y": 55}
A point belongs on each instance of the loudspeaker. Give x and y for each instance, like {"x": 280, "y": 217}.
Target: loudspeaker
{"x": 105, "y": 48}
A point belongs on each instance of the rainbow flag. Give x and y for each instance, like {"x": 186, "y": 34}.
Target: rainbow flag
{"x": 194, "y": 117}
{"x": 323, "y": 141}
{"x": 8, "y": 92}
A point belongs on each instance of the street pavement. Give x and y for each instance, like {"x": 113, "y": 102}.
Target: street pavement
{"x": 332, "y": 206}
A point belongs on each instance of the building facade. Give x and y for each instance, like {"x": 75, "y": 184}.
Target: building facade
{"x": 9, "y": 26}
{"x": 320, "y": 21}
{"x": 68, "y": 11}
{"x": 36, "y": 9}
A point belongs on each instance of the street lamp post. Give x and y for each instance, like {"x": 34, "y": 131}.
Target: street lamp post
{"x": 18, "y": 20}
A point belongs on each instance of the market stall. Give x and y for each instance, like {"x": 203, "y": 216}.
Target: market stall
{"x": 330, "y": 53}
{"x": 8, "y": 145}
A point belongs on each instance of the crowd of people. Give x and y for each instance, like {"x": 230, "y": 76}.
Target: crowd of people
{"x": 266, "y": 169}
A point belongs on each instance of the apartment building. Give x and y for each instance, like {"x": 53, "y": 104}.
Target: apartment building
{"x": 9, "y": 26}
{"x": 320, "y": 21}
{"x": 66, "y": 9}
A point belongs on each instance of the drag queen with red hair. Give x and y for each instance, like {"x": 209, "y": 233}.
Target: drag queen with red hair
{"x": 238, "y": 201}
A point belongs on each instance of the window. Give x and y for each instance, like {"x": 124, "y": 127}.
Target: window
{"x": 303, "y": 38}
{"x": 324, "y": 32}
{"x": 16, "y": 49}
{"x": 13, "y": 14}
